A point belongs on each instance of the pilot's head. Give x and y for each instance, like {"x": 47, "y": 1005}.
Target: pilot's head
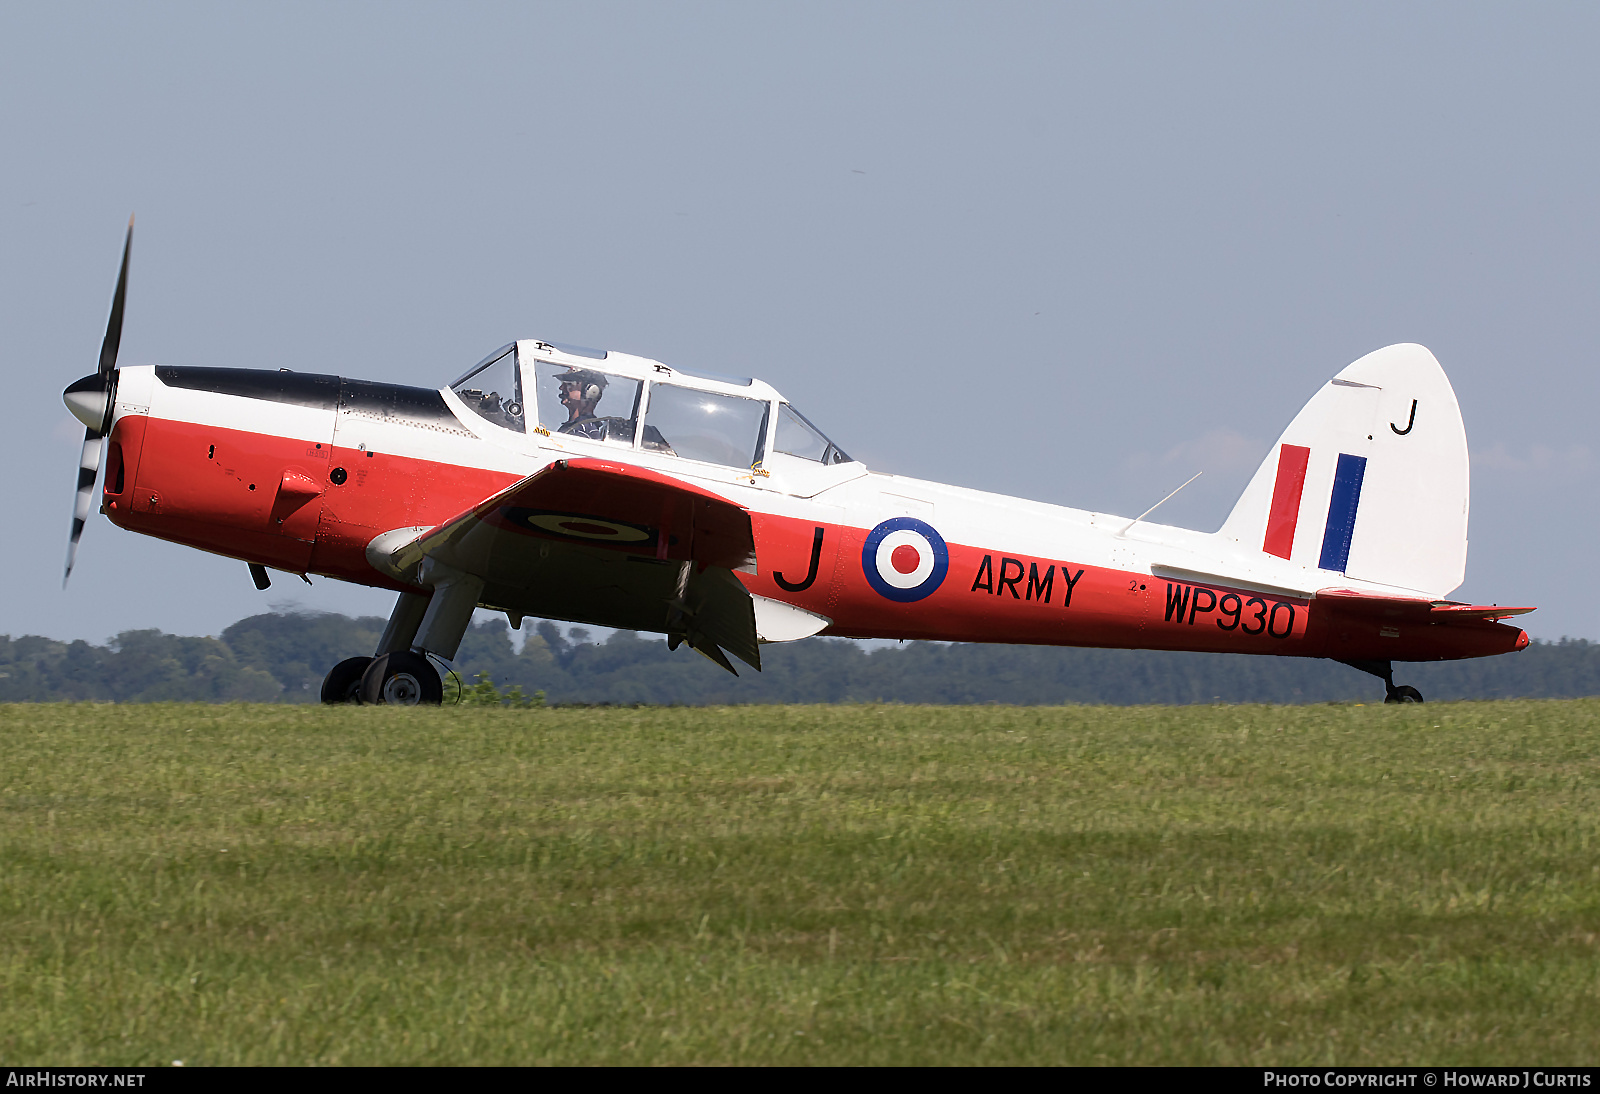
{"x": 581, "y": 389}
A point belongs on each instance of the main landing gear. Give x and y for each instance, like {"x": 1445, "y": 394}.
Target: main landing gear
{"x": 1384, "y": 671}
{"x": 401, "y": 678}
{"x": 399, "y": 673}
{"x": 343, "y": 682}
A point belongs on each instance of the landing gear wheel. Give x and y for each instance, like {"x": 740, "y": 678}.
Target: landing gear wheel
{"x": 1405, "y": 693}
{"x": 401, "y": 679}
{"x": 343, "y": 682}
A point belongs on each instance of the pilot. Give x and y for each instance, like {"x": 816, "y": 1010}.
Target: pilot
{"x": 581, "y": 390}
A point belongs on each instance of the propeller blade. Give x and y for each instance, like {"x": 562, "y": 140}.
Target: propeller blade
{"x": 79, "y": 398}
{"x": 113, "y": 342}
{"x": 88, "y": 472}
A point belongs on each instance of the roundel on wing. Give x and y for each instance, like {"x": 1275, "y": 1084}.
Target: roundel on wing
{"x": 579, "y": 526}
{"x": 904, "y": 559}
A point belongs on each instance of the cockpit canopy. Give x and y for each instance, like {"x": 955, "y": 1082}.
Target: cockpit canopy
{"x": 638, "y": 404}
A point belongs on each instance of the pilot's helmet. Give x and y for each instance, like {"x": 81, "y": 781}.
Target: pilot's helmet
{"x": 592, "y": 383}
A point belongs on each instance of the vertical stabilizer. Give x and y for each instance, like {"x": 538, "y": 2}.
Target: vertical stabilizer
{"x": 1369, "y": 481}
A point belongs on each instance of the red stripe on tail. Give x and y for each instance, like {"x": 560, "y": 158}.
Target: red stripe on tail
{"x": 1285, "y": 512}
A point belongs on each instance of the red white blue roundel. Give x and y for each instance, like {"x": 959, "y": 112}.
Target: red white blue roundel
{"x": 579, "y": 526}
{"x": 904, "y": 559}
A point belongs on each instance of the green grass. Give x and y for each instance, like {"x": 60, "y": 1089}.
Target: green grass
{"x": 1230, "y": 885}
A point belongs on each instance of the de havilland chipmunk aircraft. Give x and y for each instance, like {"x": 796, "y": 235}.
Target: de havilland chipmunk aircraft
{"x": 567, "y": 483}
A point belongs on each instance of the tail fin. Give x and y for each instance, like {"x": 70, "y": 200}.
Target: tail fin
{"x": 1369, "y": 481}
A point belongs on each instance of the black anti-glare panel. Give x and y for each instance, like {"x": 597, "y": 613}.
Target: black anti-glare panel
{"x": 298, "y": 388}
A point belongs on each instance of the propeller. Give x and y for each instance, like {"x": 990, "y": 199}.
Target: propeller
{"x": 91, "y": 400}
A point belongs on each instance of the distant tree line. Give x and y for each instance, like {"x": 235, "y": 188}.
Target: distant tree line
{"x": 281, "y": 657}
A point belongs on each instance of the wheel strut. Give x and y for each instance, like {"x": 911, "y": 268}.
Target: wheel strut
{"x": 1384, "y": 670}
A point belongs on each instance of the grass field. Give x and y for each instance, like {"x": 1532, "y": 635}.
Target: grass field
{"x": 1267, "y": 885}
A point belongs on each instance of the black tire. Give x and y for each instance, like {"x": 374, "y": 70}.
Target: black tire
{"x": 401, "y": 679}
{"x": 1405, "y": 693}
{"x": 343, "y": 682}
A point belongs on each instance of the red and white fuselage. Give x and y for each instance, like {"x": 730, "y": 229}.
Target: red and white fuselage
{"x": 324, "y": 475}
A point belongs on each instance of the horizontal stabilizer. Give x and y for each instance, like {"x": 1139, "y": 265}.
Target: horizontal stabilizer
{"x": 1351, "y": 602}
{"x": 1358, "y": 626}
{"x": 1469, "y": 611}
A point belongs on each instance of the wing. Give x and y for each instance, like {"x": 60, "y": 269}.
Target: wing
{"x": 606, "y": 543}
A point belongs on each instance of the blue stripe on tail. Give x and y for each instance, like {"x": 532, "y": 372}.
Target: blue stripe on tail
{"x": 1342, "y": 512}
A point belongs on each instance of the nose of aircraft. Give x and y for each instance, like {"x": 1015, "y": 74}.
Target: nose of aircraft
{"x": 87, "y": 399}
{"x": 1522, "y": 640}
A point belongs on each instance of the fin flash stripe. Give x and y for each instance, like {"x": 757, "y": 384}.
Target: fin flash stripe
{"x": 1285, "y": 512}
{"x": 1342, "y": 511}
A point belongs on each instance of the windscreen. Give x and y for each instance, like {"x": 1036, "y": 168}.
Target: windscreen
{"x": 798, "y": 437}
{"x": 492, "y": 389}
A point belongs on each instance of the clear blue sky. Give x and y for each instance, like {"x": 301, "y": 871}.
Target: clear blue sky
{"x": 1070, "y": 252}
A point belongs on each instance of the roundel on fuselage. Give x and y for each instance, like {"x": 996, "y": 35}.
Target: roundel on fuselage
{"x": 904, "y": 559}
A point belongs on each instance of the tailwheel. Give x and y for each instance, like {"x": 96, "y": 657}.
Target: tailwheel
{"x": 343, "y": 682}
{"x": 401, "y": 679}
{"x": 1384, "y": 670}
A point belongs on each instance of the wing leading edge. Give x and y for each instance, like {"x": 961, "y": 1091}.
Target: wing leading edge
{"x": 587, "y": 540}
